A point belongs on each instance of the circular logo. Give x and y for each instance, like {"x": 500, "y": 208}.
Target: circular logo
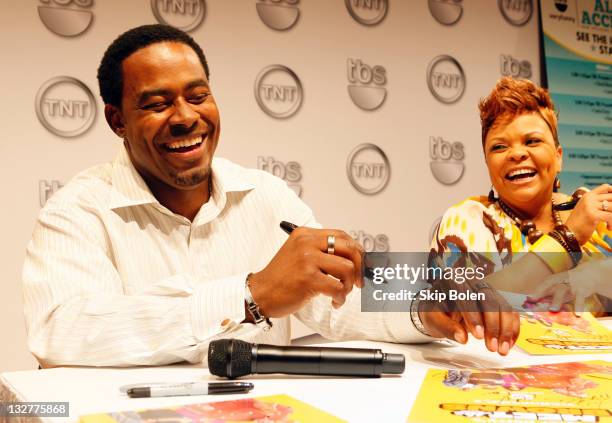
{"x": 186, "y": 15}
{"x": 368, "y": 13}
{"x": 65, "y": 106}
{"x": 446, "y": 79}
{"x": 62, "y": 19}
{"x": 516, "y": 12}
{"x": 447, "y": 12}
{"x": 277, "y": 16}
{"x": 278, "y": 91}
{"x": 368, "y": 169}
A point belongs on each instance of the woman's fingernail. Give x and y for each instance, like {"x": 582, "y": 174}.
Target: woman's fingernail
{"x": 505, "y": 347}
{"x": 459, "y": 337}
{"x": 479, "y": 332}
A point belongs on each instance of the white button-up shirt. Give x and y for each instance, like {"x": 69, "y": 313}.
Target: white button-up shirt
{"x": 113, "y": 278}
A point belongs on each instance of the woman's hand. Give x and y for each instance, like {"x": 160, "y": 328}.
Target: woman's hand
{"x": 590, "y": 211}
{"x": 575, "y": 285}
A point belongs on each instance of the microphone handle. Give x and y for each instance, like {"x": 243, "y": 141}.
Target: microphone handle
{"x": 317, "y": 361}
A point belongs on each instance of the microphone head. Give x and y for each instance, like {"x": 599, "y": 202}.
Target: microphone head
{"x": 230, "y": 358}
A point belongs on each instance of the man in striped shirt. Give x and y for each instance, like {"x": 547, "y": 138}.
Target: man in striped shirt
{"x": 145, "y": 260}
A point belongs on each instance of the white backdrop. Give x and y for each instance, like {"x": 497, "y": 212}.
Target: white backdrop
{"x": 327, "y": 48}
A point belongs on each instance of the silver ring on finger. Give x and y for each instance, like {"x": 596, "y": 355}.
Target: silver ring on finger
{"x": 331, "y": 244}
{"x": 605, "y": 206}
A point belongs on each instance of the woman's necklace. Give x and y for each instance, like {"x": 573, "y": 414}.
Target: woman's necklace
{"x": 527, "y": 226}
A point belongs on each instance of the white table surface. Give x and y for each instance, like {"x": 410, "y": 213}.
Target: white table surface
{"x": 388, "y": 399}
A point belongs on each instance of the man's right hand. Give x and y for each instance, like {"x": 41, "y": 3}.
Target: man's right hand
{"x": 302, "y": 269}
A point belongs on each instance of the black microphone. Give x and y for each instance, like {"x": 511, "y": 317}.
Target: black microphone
{"x": 233, "y": 358}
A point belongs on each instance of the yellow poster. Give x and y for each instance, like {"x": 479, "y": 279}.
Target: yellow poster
{"x": 275, "y": 408}
{"x": 577, "y": 392}
{"x": 546, "y": 333}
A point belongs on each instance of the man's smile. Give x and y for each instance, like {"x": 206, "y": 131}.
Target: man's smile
{"x": 189, "y": 149}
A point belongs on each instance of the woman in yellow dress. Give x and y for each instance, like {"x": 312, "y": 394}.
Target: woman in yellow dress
{"x": 518, "y": 217}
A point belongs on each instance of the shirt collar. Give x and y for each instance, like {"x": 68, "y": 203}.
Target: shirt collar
{"x": 129, "y": 189}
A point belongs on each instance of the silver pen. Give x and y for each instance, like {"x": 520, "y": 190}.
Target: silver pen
{"x": 190, "y": 388}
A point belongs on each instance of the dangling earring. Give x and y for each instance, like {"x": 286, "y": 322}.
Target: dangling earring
{"x": 556, "y": 185}
{"x": 492, "y": 197}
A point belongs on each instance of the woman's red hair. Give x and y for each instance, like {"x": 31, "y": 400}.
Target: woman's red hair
{"x": 512, "y": 97}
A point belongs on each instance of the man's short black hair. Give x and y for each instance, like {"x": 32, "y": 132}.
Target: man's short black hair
{"x": 110, "y": 74}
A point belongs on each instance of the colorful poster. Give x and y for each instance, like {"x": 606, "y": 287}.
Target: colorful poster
{"x": 546, "y": 333}
{"x": 577, "y": 38}
{"x": 577, "y": 392}
{"x": 276, "y": 408}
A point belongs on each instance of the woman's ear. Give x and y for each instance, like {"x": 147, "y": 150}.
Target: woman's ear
{"x": 559, "y": 158}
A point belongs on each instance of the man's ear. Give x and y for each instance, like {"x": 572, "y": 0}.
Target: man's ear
{"x": 114, "y": 118}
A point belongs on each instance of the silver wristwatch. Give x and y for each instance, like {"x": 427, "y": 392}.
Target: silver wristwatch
{"x": 414, "y": 315}
{"x": 260, "y": 320}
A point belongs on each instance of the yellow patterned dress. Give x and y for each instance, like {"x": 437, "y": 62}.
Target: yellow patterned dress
{"x": 477, "y": 225}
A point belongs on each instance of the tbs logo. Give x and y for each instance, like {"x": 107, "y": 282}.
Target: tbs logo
{"x": 367, "y": 12}
{"x": 446, "y": 79}
{"x": 371, "y": 244}
{"x": 46, "y": 189}
{"x": 367, "y": 84}
{"x": 278, "y": 91}
{"x": 65, "y": 106}
{"x": 516, "y": 12}
{"x": 509, "y": 66}
{"x": 279, "y": 15}
{"x": 446, "y": 160}
{"x": 67, "y": 18}
{"x": 182, "y": 14}
{"x": 447, "y": 12}
{"x": 291, "y": 172}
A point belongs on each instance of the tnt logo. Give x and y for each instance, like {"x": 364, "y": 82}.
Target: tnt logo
{"x": 278, "y": 91}
{"x": 46, "y": 189}
{"x": 509, "y": 66}
{"x": 371, "y": 244}
{"x": 65, "y": 106}
{"x": 67, "y": 18}
{"x": 182, "y": 14}
{"x": 447, "y": 12}
{"x": 516, "y": 12}
{"x": 366, "y": 87}
{"x": 291, "y": 172}
{"x": 367, "y": 12}
{"x": 445, "y": 79}
{"x": 368, "y": 169}
{"x": 446, "y": 160}
{"x": 279, "y": 15}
